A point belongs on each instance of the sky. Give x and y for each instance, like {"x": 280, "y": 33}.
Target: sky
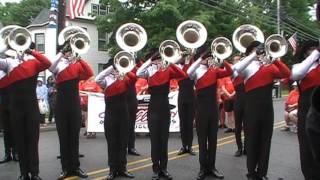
{"x": 4, "y": 1}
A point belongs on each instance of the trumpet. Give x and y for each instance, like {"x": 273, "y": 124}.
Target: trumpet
{"x": 131, "y": 37}
{"x": 221, "y": 49}
{"x": 78, "y": 38}
{"x": 169, "y": 51}
{"x": 244, "y": 35}
{"x": 124, "y": 62}
{"x": 191, "y": 34}
{"x": 276, "y": 46}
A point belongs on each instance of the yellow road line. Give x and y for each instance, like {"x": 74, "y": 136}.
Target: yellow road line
{"x": 276, "y": 125}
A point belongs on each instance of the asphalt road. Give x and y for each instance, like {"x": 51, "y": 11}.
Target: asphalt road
{"x": 284, "y": 158}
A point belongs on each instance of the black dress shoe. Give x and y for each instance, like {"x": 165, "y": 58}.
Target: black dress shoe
{"x": 63, "y": 174}
{"x": 229, "y": 130}
{"x": 244, "y": 152}
{"x": 15, "y": 157}
{"x": 215, "y": 173}
{"x": 133, "y": 151}
{"x": 111, "y": 175}
{"x": 80, "y": 173}
{"x": 35, "y": 177}
{"x": 24, "y": 177}
{"x": 191, "y": 151}
{"x": 5, "y": 159}
{"x": 125, "y": 174}
{"x": 238, "y": 153}
{"x": 166, "y": 174}
{"x": 183, "y": 150}
{"x": 201, "y": 175}
{"x": 155, "y": 176}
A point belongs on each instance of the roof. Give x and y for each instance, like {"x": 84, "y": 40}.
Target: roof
{"x": 42, "y": 18}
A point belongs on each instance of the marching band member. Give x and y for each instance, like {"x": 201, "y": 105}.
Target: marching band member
{"x": 186, "y": 108}
{"x": 258, "y": 80}
{"x": 116, "y": 118}
{"x": 8, "y": 140}
{"x": 22, "y": 78}
{"x": 68, "y": 71}
{"x": 207, "y": 111}
{"x": 307, "y": 72}
{"x": 132, "y": 109}
{"x": 239, "y": 109}
{"x": 159, "y": 111}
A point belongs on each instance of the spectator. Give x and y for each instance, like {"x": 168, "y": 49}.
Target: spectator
{"x": 228, "y": 93}
{"x": 291, "y": 110}
{"x": 222, "y": 113}
{"x": 42, "y": 96}
{"x": 87, "y": 86}
{"x": 52, "y": 93}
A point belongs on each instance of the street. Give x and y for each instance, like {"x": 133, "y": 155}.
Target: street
{"x": 284, "y": 159}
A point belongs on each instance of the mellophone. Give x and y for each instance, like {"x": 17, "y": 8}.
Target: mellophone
{"x": 132, "y": 37}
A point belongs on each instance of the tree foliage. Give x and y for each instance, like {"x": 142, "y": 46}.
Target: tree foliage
{"x": 21, "y": 13}
{"x": 160, "y": 18}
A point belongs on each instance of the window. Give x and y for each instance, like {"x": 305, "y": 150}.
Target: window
{"x": 95, "y": 9}
{"x": 100, "y": 67}
{"x": 102, "y": 41}
{"x": 103, "y": 10}
{"x": 39, "y": 42}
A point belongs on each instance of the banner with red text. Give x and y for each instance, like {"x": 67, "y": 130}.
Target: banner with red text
{"x": 96, "y": 108}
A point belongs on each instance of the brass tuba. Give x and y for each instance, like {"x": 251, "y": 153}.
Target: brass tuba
{"x": 19, "y": 39}
{"x": 124, "y": 62}
{"x": 4, "y": 34}
{"x": 131, "y": 37}
{"x": 78, "y": 38}
{"x": 221, "y": 49}
{"x": 244, "y": 35}
{"x": 169, "y": 51}
{"x": 191, "y": 34}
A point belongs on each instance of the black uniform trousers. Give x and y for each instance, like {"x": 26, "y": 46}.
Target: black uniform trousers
{"x": 68, "y": 122}
{"x": 310, "y": 168}
{"x": 158, "y": 123}
{"x": 116, "y": 131}
{"x": 25, "y": 117}
{"x": 132, "y": 109}
{"x": 259, "y": 128}
{"x": 186, "y": 111}
{"x": 239, "y": 104}
{"x": 9, "y": 145}
{"x": 207, "y": 126}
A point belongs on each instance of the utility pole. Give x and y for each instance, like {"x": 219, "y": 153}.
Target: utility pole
{"x": 278, "y": 16}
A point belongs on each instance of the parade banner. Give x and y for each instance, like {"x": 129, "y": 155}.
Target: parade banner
{"x": 96, "y": 108}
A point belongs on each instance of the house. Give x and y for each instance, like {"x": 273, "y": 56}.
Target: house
{"x": 97, "y": 55}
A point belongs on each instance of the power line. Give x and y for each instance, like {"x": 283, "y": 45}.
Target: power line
{"x": 273, "y": 20}
{"x": 269, "y": 19}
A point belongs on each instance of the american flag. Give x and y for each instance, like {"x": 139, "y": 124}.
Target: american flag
{"x": 75, "y": 8}
{"x": 293, "y": 40}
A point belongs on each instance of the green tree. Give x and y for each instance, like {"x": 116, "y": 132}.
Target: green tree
{"x": 160, "y": 18}
{"x": 21, "y": 13}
